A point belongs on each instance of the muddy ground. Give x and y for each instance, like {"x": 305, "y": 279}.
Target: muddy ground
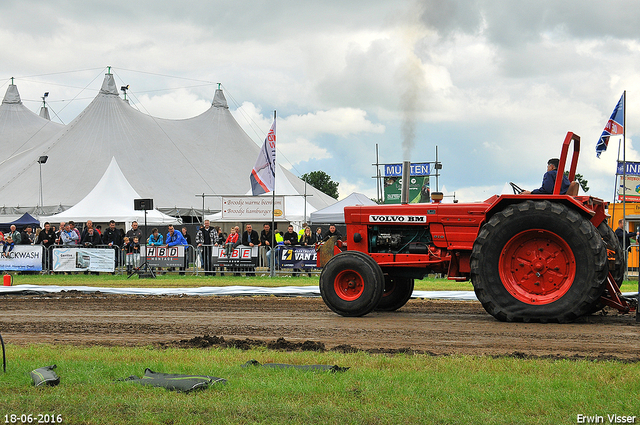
{"x": 425, "y": 326}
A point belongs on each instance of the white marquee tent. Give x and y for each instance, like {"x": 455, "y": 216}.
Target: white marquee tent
{"x": 170, "y": 161}
{"x": 22, "y": 132}
{"x": 335, "y": 213}
{"x": 111, "y": 199}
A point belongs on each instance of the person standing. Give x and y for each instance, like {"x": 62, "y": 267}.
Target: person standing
{"x": 15, "y": 235}
{"x": 91, "y": 238}
{"x": 266, "y": 240}
{"x": 59, "y": 233}
{"x": 206, "y": 238}
{"x": 290, "y": 238}
{"x": 134, "y": 232}
{"x": 113, "y": 238}
{"x": 88, "y": 225}
{"x": 72, "y": 225}
{"x": 624, "y": 238}
{"x": 175, "y": 238}
{"x": 28, "y": 237}
{"x": 250, "y": 238}
{"x": 46, "y": 238}
{"x": 155, "y": 238}
{"x": 331, "y": 232}
{"x": 307, "y": 239}
{"x": 187, "y": 249}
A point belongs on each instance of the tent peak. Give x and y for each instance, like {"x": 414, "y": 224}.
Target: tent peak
{"x": 219, "y": 101}
{"x": 109, "y": 85}
{"x": 12, "y": 96}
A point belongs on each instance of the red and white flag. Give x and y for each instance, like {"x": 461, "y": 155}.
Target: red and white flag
{"x": 263, "y": 175}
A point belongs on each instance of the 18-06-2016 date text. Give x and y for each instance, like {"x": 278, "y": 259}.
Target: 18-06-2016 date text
{"x": 30, "y": 418}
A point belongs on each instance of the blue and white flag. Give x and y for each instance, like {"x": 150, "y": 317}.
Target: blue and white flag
{"x": 263, "y": 175}
{"x": 614, "y": 127}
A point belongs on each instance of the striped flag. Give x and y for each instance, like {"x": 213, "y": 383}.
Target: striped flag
{"x": 614, "y": 127}
{"x": 263, "y": 175}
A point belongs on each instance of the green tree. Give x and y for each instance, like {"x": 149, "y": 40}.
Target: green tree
{"x": 322, "y": 181}
{"x": 584, "y": 184}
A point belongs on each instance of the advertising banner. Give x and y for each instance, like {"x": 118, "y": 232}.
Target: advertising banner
{"x": 629, "y": 187}
{"x": 251, "y": 208}
{"x": 22, "y": 258}
{"x": 395, "y": 170}
{"x": 163, "y": 256}
{"x": 418, "y": 189}
{"x": 633, "y": 168}
{"x": 241, "y": 256}
{"x": 298, "y": 257}
{"x": 81, "y": 259}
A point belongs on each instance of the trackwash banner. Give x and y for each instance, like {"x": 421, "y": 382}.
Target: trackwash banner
{"x": 22, "y": 258}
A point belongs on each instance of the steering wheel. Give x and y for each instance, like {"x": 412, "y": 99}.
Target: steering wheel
{"x": 516, "y": 189}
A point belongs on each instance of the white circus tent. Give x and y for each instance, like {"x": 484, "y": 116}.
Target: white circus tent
{"x": 111, "y": 199}
{"x": 169, "y": 161}
{"x": 335, "y": 213}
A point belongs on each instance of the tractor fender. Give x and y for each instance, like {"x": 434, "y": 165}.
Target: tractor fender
{"x": 590, "y": 208}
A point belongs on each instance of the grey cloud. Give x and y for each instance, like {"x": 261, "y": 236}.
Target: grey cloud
{"x": 511, "y": 23}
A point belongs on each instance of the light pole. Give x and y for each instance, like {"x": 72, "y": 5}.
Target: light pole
{"x": 41, "y": 160}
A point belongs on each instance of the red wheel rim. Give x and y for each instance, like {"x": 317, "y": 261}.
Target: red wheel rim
{"x": 349, "y": 285}
{"x": 537, "y": 267}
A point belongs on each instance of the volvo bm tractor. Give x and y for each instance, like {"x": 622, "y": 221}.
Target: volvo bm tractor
{"x": 531, "y": 258}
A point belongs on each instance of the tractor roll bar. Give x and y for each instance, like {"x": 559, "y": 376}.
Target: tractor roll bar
{"x": 563, "y": 160}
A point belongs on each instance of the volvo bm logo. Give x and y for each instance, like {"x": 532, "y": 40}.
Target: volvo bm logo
{"x": 398, "y": 218}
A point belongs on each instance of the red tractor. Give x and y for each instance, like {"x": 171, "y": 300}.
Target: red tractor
{"x": 531, "y": 258}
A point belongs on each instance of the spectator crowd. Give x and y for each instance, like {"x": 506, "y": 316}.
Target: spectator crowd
{"x": 207, "y": 237}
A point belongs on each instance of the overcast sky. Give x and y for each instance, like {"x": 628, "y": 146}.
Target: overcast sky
{"x": 495, "y": 85}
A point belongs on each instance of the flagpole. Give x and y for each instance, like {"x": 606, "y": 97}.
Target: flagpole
{"x": 624, "y": 178}
{"x": 273, "y": 216}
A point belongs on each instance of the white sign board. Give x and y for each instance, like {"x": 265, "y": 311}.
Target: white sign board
{"x": 80, "y": 259}
{"x": 251, "y": 208}
{"x": 632, "y": 188}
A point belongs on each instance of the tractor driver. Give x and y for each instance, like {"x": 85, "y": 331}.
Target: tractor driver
{"x": 549, "y": 180}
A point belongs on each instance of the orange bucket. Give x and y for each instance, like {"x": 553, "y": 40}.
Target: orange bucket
{"x": 8, "y": 280}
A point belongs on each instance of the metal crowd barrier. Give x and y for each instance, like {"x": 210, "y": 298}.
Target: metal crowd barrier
{"x": 261, "y": 264}
{"x": 125, "y": 263}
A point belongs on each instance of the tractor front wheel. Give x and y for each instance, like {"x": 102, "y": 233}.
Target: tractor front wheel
{"x": 397, "y": 291}
{"x": 538, "y": 261}
{"x": 351, "y": 284}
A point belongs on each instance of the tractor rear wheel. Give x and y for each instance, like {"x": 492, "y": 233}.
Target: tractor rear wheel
{"x": 397, "y": 291}
{"x": 538, "y": 261}
{"x": 351, "y": 284}
{"x": 615, "y": 260}
{"x": 614, "y": 252}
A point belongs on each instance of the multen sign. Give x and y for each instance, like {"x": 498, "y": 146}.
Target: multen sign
{"x": 395, "y": 170}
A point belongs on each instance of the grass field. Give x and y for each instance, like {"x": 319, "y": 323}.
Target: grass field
{"x": 377, "y": 389}
{"x": 175, "y": 281}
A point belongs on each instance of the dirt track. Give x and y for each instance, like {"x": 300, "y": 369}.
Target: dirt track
{"x": 438, "y": 327}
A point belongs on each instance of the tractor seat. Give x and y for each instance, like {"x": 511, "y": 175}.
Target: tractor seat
{"x": 573, "y": 188}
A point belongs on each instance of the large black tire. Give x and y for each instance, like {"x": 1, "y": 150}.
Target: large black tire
{"x": 538, "y": 261}
{"x": 351, "y": 284}
{"x": 614, "y": 252}
{"x": 615, "y": 261}
{"x": 397, "y": 291}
